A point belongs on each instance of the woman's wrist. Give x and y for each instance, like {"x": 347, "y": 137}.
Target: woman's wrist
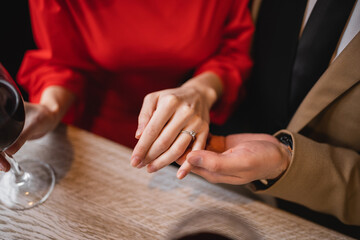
{"x": 208, "y": 84}
{"x": 57, "y": 101}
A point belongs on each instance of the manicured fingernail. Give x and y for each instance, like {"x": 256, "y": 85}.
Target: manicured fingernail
{"x": 195, "y": 160}
{"x": 181, "y": 174}
{"x": 151, "y": 168}
{"x": 138, "y": 132}
{"x": 142, "y": 164}
{"x": 135, "y": 161}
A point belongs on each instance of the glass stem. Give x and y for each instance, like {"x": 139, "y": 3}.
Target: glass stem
{"x": 20, "y": 175}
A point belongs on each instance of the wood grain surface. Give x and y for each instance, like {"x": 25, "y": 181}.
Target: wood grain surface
{"x": 98, "y": 195}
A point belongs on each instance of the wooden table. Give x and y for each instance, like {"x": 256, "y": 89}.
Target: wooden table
{"x": 98, "y": 195}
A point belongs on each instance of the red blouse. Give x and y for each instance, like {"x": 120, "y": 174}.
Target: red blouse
{"x": 112, "y": 53}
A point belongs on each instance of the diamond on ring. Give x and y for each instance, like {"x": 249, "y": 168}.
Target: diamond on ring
{"x": 191, "y": 133}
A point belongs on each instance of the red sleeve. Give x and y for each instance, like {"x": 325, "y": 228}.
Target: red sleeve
{"x": 52, "y": 63}
{"x": 37, "y": 72}
{"x": 232, "y": 62}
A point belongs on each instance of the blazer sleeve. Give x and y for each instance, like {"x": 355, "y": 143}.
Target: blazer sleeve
{"x": 232, "y": 62}
{"x": 321, "y": 177}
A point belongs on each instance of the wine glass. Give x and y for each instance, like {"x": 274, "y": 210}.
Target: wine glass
{"x": 31, "y": 184}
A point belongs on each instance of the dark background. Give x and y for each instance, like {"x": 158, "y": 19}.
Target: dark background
{"x": 15, "y": 35}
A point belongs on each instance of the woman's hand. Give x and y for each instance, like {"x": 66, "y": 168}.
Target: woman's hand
{"x": 41, "y": 118}
{"x": 238, "y": 159}
{"x": 165, "y": 114}
{"x": 38, "y": 121}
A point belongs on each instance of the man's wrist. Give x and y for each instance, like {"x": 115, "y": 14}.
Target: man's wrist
{"x": 286, "y": 144}
{"x": 286, "y": 139}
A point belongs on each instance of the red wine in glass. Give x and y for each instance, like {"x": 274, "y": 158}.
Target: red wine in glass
{"x": 31, "y": 183}
{"x": 12, "y": 115}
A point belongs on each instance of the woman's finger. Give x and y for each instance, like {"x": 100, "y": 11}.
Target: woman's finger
{"x": 161, "y": 116}
{"x": 17, "y": 145}
{"x": 23, "y": 137}
{"x": 182, "y": 158}
{"x": 176, "y": 150}
{"x": 201, "y": 138}
{"x": 170, "y": 132}
{"x": 147, "y": 110}
{"x": 199, "y": 144}
{"x": 181, "y": 146}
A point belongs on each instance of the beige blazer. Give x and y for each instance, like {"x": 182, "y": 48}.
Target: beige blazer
{"x": 324, "y": 174}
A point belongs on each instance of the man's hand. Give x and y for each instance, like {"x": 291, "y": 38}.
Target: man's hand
{"x": 238, "y": 159}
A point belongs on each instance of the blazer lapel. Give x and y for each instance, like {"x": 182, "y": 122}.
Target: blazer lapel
{"x": 341, "y": 75}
